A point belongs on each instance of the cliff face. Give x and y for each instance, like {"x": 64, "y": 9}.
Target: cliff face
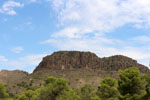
{"x": 69, "y": 60}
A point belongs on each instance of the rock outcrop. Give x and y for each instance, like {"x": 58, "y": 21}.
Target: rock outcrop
{"x": 65, "y": 60}
{"x": 71, "y": 60}
{"x": 119, "y": 62}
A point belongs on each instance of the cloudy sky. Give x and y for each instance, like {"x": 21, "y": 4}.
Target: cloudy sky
{"x": 31, "y": 29}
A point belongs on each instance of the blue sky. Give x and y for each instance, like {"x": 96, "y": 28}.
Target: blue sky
{"x": 32, "y": 29}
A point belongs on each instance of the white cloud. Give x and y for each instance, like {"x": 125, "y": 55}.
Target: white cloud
{"x": 22, "y": 63}
{"x": 67, "y": 32}
{"x": 17, "y": 49}
{"x": 74, "y": 32}
{"x": 102, "y": 15}
{"x": 31, "y": 60}
{"x": 8, "y": 7}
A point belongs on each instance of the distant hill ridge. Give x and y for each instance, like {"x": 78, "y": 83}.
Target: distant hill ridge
{"x": 71, "y": 60}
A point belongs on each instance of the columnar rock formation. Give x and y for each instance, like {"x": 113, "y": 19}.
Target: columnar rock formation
{"x": 71, "y": 60}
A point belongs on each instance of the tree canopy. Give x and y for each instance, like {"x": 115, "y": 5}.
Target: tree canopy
{"x": 131, "y": 85}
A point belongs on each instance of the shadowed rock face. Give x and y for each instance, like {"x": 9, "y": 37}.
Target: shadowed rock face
{"x": 70, "y": 60}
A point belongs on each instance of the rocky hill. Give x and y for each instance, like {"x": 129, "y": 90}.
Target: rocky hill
{"x": 69, "y": 60}
{"x": 79, "y": 68}
{"x": 65, "y": 60}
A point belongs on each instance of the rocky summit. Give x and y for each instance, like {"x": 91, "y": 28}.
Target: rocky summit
{"x": 72, "y": 60}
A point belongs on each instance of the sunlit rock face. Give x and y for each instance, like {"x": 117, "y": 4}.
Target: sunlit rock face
{"x": 72, "y": 60}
